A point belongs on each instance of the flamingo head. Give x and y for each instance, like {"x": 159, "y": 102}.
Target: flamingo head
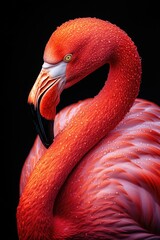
{"x": 75, "y": 49}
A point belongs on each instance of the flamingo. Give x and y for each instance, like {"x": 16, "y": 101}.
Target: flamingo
{"x": 95, "y": 172}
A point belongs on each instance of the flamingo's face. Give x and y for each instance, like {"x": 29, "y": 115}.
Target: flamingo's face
{"x": 44, "y": 97}
{"x": 70, "y": 55}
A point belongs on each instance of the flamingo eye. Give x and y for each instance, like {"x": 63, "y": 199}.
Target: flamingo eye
{"x": 67, "y": 58}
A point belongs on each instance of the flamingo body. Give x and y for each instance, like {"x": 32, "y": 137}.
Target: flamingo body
{"x": 115, "y": 182}
{"x": 102, "y": 187}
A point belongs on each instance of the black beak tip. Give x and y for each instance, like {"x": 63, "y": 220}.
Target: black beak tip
{"x": 43, "y": 127}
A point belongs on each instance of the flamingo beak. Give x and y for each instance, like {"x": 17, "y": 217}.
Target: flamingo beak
{"x": 43, "y": 127}
{"x": 44, "y": 97}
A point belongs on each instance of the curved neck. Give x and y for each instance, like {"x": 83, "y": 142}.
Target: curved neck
{"x": 85, "y": 129}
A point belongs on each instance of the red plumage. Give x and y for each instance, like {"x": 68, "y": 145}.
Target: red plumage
{"x": 100, "y": 177}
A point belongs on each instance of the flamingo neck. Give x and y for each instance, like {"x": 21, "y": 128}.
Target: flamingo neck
{"x": 90, "y": 125}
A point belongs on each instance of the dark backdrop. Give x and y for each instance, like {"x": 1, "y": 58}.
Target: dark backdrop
{"x": 30, "y": 27}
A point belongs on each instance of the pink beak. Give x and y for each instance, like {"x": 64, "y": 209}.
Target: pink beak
{"x": 44, "y": 97}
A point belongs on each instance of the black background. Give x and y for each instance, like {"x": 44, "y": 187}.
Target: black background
{"x": 30, "y": 26}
